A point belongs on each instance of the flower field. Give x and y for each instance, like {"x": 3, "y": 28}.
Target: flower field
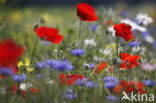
{"x": 78, "y": 54}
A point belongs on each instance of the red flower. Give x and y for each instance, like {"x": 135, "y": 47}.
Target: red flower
{"x": 49, "y": 34}
{"x": 100, "y": 67}
{"x": 86, "y": 12}
{"x": 10, "y": 52}
{"x": 130, "y": 87}
{"x": 70, "y": 79}
{"x": 123, "y": 31}
{"x": 129, "y": 61}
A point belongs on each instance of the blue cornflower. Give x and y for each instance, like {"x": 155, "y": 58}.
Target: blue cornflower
{"x": 70, "y": 91}
{"x": 93, "y": 27}
{"x": 110, "y": 82}
{"x": 80, "y": 81}
{"x": 134, "y": 43}
{"x": 6, "y": 71}
{"x": 124, "y": 14}
{"x": 89, "y": 84}
{"x": 148, "y": 83}
{"x": 69, "y": 96}
{"x": 62, "y": 65}
{"x": 91, "y": 65}
{"x": 19, "y": 78}
{"x": 78, "y": 52}
{"x": 112, "y": 98}
{"x": 40, "y": 65}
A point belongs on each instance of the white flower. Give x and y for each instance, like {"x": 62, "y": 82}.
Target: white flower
{"x": 134, "y": 25}
{"x": 23, "y": 86}
{"x": 144, "y": 18}
{"x": 149, "y": 39}
{"x": 90, "y": 42}
{"x": 111, "y": 29}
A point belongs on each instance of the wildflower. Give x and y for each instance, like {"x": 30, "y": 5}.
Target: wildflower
{"x": 10, "y": 52}
{"x": 112, "y": 98}
{"x": 147, "y": 66}
{"x": 148, "y": 83}
{"x": 89, "y": 42}
{"x": 78, "y": 52}
{"x": 100, "y": 67}
{"x": 49, "y": 34}
{"x": 6, "y": 71}
{"x": 129, "y": 87}
{"x": 62, "y": 65}
{"x": 70, "y": 79}
{"x": 40, "y": 65}
{"x": 129, "y": 61}
{"x": 144, "y": 19}
{"x": 110, "y": 82}
{"x": 134, "y": 43}
{"x": 91, "y": 84}
{"x": 27, "y": 62}
{"x": 124, "y": 31}
{"x": 90, "y": 65}
{"x": 86, "y": 12}
{"x": 20, "y": 63}
{"x": 30, "y": 69}
{"x": 93, "y": 27}
{"x": 19, "y": 78}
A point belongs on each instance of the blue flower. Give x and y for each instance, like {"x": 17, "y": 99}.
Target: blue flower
{"x": 112, "y": 98}
{"x": 91, "y": 84}
{"x": 62, "y": 65}
{"x": 40, "y": 65}
{"x": 74, "y": 96}
{"x": 80, "y": 81}
{"x": 6, "y": 71}
{"x": 148, "y": 83}
{"x": 110, "y": 82}
{"x": 93, "y": 27}
{"x": 124, "y": 14}
{"x": 19, "y": 78}
{"x": 147, "y": 36}
{"x": 134, "y": 43}
{"x": 78, "y": 52}
{"x": 70, "y": 91}
{"x": 91, "y": 65}
{"x": 69, "y": 96}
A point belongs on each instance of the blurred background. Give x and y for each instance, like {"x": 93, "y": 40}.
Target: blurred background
{"x": 70, "y": 2}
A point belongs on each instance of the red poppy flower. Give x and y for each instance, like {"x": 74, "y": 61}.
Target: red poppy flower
{"x": 70, "y": 79}
{"x": 49, "y": 34}
{"x": 100, "y": 67}
{"x": 86, "y": 12}
{"x": 129, "y": 61}
{"x": 130, "y": 87}
{"x": 10, "y": 52}
{"x": 124, "y": 31}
